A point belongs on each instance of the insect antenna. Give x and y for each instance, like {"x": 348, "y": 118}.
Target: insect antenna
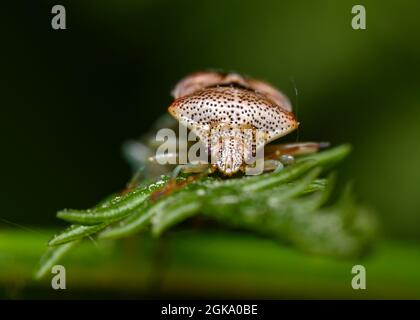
{"x": 296, "y": 105}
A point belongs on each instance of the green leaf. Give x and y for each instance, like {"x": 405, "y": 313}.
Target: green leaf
{"x": 116, "y": 209}
{"x": 288, "y": 205}
{"x": 76, "y": 232}
{"x": 134, "y": 223}
{"x": 51, "y": 258}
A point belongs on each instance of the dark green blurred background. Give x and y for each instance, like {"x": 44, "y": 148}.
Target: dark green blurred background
{"x": 70, "y": 98}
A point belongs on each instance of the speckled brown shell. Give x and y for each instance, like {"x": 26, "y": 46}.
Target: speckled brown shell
{"x": 208, "y": 100}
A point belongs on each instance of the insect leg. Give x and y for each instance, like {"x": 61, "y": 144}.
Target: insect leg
{"x": 165, "y": 158}
{"x": 173, "y": 184}
{"x": 293, "y": 149}
{"x": 136, "y": 153}
{"x": 273, "y": 165}
{"x": 190, "y": 168}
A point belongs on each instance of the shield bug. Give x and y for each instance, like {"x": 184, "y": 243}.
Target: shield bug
{"x": 235, "y": 117}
